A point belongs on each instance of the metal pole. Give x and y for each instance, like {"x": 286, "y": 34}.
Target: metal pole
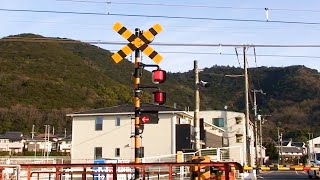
{"x": 255, "y": 127}
{"x": 261, "y": 162}
{"x": 196, "y": 121}
{"x": 278, "y": 146}
{"x": 137, "y": 107}
{"x": 281, "y": 147}
{"x": 247, "y": 107}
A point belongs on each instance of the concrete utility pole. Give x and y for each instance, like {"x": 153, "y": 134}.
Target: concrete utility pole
{"x": 256, "y": 124}
{"x": 247, "y": 107}
{"x": 196, "y": 121}
{"x": 280, "y": 146}
{"x": 34, "y": 141}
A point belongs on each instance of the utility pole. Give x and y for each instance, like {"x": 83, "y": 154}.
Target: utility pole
{"x": 45, "y": 140}
{"x": 247, "y": 107}
{"x": 256, "y": 124}
{"x": 196, "y": 121}
{"x": 280, "y": 146}
{"x": 34, "y": 141}
{"x": 48, "y": 142}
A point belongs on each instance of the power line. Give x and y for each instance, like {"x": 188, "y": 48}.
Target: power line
{"x": 100, "y": 42}
{"x": 194, "y": 6}
{"x": 161, "y": 16}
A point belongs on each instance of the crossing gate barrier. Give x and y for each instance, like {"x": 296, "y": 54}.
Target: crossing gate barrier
{"x": 283, "y": 168}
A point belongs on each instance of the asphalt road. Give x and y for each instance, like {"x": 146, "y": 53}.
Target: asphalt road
{"x": 282, "y": 175}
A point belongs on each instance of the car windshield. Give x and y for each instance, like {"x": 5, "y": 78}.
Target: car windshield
{"x": 318, "y": 156}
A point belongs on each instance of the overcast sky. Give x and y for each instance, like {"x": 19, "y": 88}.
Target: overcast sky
{"x": 216, "y": 23}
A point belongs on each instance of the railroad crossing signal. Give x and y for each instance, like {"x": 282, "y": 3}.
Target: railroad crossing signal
{"x": 137, "y": 42}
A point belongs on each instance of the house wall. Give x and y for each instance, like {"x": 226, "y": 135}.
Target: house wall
{"x": 232, "y": 129}
{"x": 6, "y": 145}
{"x": 157, "y": 139}
{"x": 314, "y": 145}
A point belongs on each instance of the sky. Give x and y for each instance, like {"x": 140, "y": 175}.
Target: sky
{"x": 205, "y": 22}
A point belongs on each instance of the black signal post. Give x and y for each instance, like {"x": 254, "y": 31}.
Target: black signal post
{"x": 137, "y": 91}
{"x": 140, "y": 42}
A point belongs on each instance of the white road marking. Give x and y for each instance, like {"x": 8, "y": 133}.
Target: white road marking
{"x": 269, "y": 172}
{"x": 296, "y": 172}
{"x": 260, "y": 177}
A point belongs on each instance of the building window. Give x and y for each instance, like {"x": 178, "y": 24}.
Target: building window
{"x": 118, "y": 121}
{"x": 117, "y": 152}
{"x": 99, "y": 122}
{"x": 317, "y": 145}
{"x": 218, "y": 122}
{"x": 239, "y": 138}
{"x": 238, "y": 119}
{"x": 97, "y": 152}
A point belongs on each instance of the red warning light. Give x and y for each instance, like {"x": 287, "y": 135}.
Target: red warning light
{"x": 158, "y": 76}
{"x": 159, "y": 97}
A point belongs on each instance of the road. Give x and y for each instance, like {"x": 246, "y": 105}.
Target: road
{"x": 282, "y": 175}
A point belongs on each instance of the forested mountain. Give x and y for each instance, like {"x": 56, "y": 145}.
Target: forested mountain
{"x": 42, "y": 81}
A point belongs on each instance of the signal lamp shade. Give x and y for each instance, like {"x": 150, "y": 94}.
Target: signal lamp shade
{"x": 159, "y": 97}
{"x": 158, "y": 76}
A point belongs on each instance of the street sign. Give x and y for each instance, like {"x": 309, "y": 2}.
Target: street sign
{"x": 137, "y": 42}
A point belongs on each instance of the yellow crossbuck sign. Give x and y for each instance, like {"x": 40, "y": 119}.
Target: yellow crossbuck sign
{"x": 137, "y": 42}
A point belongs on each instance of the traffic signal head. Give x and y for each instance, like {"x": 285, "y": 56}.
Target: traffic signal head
{"x": 159, "y": 97}
{"x": 158, "y": 76}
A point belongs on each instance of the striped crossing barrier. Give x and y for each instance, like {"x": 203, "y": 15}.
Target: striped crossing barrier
{"x": 283, "y": 168}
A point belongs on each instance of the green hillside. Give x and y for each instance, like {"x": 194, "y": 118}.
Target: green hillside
{"x": 42, "y": 81}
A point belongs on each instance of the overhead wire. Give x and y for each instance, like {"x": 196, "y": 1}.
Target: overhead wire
{"x": 100, "y": 42}
{"x": 194, "y": 6}
{"x": 160, "y": 16}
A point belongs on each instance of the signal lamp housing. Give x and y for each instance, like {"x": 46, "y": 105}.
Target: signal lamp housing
{"x": 158, "y": 76}
{"x": 159, "y": 97}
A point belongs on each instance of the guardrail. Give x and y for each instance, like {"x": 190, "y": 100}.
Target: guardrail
{"x": 114, "y": 171}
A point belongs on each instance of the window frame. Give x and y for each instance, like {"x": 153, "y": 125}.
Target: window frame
{"x": 118, "y": 121}
{"x": 117, "y": 152}
{"x": 218, "y": 125}
{"x": 98, "y": 126}
{"x": 96, "y": 149}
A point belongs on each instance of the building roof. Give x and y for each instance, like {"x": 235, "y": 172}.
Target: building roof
{"x": 297, "y": 144}
{"x": 13, "y": 135}
{"x": 127, "y": 108}
{"x": 287, "y": 149}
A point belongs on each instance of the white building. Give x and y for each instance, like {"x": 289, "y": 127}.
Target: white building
{"x": 235, "y": 132}
{"x": 314, "y": 145}
{"x": 108, "y": 133}
{"x": 12, "y": 142}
